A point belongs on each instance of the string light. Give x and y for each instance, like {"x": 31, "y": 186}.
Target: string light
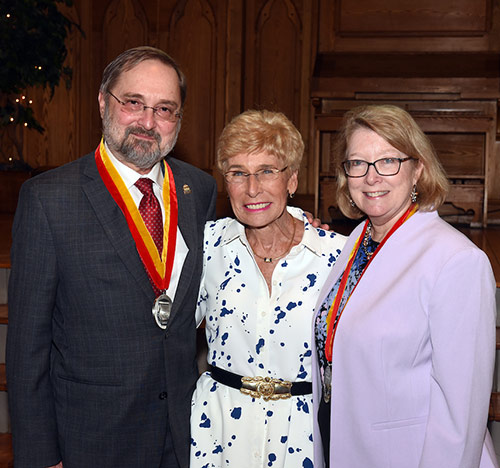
{"x": 8, "y": 15}
{"x": 30, "y": 101}
{"x": 12, "y": 119}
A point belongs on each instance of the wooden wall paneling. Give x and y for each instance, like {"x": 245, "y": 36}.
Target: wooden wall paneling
{"x": 494, "y": 169}
{"x": 274, "y": 49}
{"x": 277, "y": 71}
{"x": 492, "y": 163}
{"x": 325, "y": 124}
{"x": 471, "y": 125}
{"x": 494, "y": 23}
{"x": 367, "y": 74}
{"x": 193, "y": 42}
{"x": 159, "y": 13}
{"x": 125, "y": 25}
{"x": 494, "y": 173}
{"x": 86, "y": 95}
{"x": 398, "y": 17}
{"x": 10, "y": 184}
{"x": 307, "y": 175}
{"x": 326, "y": 26}
{"x": 35, "y": 144}
{"x": 406, "y": 25}
{"x": 234, "y": 61}
{"x": 461, "y": 154}
{"x": 96, "y": 44}
{"x": 229, "y": 75}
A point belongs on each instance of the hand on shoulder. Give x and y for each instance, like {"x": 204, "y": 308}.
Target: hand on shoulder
{"x": 316, "y": 222}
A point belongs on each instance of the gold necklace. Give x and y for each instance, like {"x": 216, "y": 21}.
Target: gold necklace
{"x": 271, "y": 259}
{"x": 368, "y": 235}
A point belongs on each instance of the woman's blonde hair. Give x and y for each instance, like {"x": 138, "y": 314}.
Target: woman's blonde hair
{"x": 256, "y": 131}
{"x": 398, "y": 128}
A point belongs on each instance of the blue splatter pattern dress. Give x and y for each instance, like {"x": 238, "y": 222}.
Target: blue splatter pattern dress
{"x": 253, "y": 332}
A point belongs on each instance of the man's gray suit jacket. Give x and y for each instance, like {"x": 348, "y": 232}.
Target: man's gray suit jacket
{"x": 91, "y": 378}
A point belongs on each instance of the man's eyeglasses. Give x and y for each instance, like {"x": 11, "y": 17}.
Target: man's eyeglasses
{"x": 133, "y": 106}
{"x": 384, "y": 166}
{"x": 263, "y": 175}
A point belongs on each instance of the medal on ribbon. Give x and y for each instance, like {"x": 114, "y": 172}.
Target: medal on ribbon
{"x": 159, "y": 268}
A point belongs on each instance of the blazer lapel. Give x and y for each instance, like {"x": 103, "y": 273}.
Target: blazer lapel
{"x": 115, "y": 226}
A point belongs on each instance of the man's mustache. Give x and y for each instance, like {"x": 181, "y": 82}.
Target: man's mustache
{"x": 143, "y": 131}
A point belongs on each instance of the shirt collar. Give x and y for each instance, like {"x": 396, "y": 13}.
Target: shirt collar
{"x": 129, "y": 176}
{"x": 310, "y": 240}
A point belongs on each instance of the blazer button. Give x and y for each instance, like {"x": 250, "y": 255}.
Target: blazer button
{"x": 162, "y": 396}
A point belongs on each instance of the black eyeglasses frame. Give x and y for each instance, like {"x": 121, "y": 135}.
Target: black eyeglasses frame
{"x": 368, "y": 164}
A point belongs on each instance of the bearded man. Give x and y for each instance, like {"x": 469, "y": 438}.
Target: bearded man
{"x": 106, "y": 263}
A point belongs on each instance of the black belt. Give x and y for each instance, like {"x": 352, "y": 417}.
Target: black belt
{"x": 266, "y": 387}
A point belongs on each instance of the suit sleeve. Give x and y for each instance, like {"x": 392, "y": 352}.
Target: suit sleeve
{"x": 32, "y": 289}
{"x": 462, "y": 329}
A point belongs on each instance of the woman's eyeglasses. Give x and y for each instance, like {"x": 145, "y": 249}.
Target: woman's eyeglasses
{"x": 384, "y": 166}
{"x": 263, "y": 175}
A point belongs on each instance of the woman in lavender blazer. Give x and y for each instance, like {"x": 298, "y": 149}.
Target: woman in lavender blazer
{"x": 405, "y": 325}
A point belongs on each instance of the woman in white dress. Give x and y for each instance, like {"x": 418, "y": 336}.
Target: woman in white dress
{"x": 262, "y": 275}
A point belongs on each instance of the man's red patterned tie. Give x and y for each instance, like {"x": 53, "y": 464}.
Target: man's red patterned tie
{"x": 150, "y": 210}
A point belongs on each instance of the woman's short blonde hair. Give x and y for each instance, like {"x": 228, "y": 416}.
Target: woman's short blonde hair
{"x": 399, "y": 129}
{"x": 256, "y": 131}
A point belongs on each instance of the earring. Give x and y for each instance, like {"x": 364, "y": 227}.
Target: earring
{"x": 414, "y": 193}
{"x": 351, "y": 201}
{"x": 291, "y": 195}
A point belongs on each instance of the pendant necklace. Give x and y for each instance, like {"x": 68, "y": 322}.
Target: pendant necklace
{"x": 271, "y": 259}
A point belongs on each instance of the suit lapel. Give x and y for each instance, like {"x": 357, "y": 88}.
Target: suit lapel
{"x": 186, "y": 215}
{"x": 115, "y": 226}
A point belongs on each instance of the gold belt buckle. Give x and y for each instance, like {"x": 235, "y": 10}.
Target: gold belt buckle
{"x": 266, "y": 387}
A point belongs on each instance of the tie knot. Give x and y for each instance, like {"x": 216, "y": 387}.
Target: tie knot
{"x": 145, "y": 185}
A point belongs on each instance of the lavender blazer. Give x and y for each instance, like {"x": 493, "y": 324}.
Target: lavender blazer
{"x": 413, "y": 355}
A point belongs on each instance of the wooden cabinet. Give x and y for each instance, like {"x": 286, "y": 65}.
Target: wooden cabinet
{"x": 452, "y": 97}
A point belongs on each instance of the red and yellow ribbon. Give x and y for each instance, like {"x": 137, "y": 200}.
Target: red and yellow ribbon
{"x": 331, "y": 323}
{"x": 158, "y": 268}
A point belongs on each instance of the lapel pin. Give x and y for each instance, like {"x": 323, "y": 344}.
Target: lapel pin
{"x": 186, "y": 189}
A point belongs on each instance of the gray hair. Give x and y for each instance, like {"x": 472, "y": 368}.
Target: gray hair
{"x": 132, "y": 57}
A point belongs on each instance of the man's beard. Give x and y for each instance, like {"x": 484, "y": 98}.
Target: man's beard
{"x": 140, "y": 153}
